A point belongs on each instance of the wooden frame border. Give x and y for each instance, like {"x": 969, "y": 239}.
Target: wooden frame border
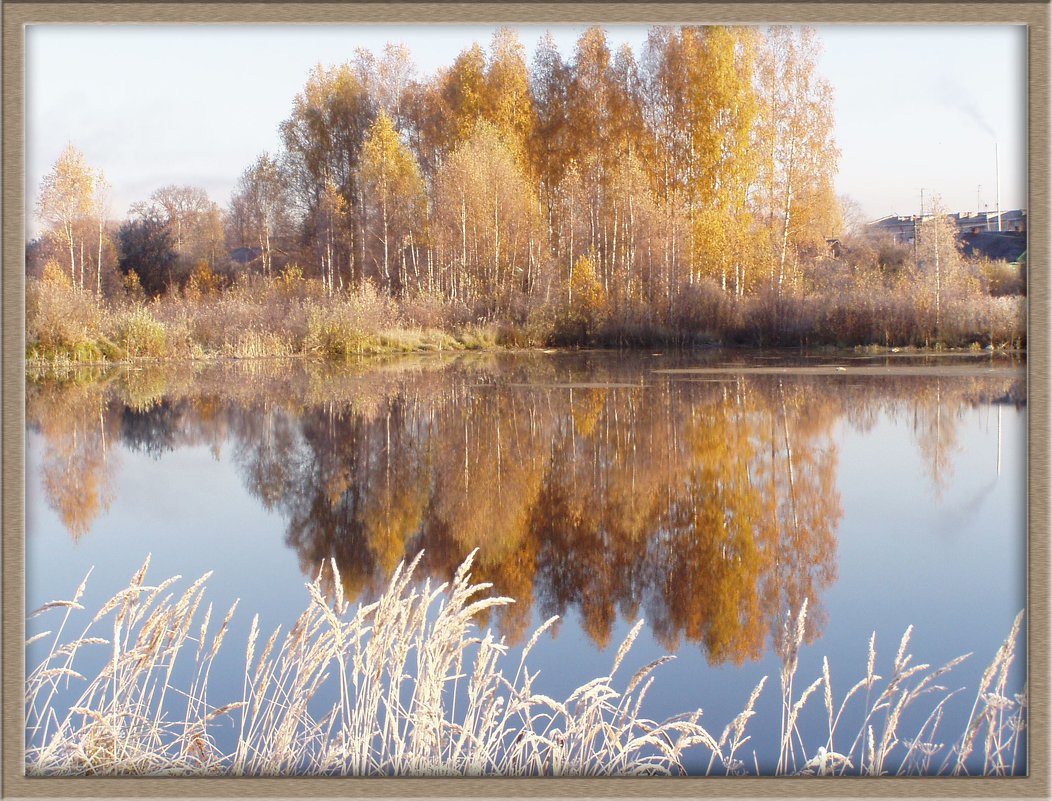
{"x": 15, "y": 15}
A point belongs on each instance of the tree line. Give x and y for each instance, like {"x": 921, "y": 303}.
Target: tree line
{"x": 502, "y": 182}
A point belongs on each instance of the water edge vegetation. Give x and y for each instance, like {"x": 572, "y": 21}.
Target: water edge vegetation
{"x": 421, "y": 690}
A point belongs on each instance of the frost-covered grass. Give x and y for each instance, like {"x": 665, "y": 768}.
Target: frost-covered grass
{"x": 420, "y": 690}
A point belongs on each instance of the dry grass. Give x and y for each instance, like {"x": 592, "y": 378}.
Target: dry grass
{"x": 253, "y": 318}
{"x": 420, "y": 691}
{"x": 289, "y": 315}
{"x": 883, "y": 743}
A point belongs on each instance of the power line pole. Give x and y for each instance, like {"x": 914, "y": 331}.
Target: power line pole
{"x": 916, "y": 229}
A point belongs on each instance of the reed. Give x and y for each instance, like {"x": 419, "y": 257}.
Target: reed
{"x": 256, "y": 318}
{"x": 420, "y": 690}
{"x": 879, "y": 740}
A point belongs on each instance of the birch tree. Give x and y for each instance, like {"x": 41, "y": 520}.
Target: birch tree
{"x": 65, "y": 202}
{"x": 395, "y": 204}
{"x": 549, "y": 148}
{"x": 100, "y": 199}
{"x": 939, "y": 262}
{"x": 262, "y": 200}
{"x": 485, "y": 218}
{"x": 508, "y": 102}
{"x": 387, "y": 77}
{"x": 795, "y": 137}
{"x": 323, "y": 142}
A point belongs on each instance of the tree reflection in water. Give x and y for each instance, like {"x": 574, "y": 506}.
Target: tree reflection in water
{"x": 587, "y": 483}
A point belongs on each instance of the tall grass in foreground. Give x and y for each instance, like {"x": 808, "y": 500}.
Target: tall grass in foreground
{"x": 420, "y": 691}
{"x": 881, "y": 744}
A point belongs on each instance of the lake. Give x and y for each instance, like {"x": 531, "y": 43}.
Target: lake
{"x": 709, "y": 493}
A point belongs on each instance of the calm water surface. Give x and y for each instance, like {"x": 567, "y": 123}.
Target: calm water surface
{"x": 708, "y": 494}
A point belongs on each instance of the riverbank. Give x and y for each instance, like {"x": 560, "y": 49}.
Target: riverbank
{"x": 295, "y": 317}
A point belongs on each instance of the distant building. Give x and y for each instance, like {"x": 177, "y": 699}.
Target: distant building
{"x": 243, "y": 255}
{"x": 977, "y": 231}
{"x": 982, "y": 221}
{"x": 1014, "y": 220}
{"x": 975, "y": 222}
{"x": 902, "y": 229}
{"x": 1005, "y": 246}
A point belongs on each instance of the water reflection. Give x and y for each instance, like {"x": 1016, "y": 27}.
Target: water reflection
{"x": 590, "y": 484}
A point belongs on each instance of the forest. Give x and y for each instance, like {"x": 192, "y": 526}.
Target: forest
{"x": 685, "y": 197}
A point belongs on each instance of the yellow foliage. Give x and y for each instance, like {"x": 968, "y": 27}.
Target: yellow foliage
{"x": 55, "y": 277}
{"x": 586, "y": 293}
{"x": 290, "y": 279}
{"x": 133, "y": 286}
{"x": 203, "y": 281}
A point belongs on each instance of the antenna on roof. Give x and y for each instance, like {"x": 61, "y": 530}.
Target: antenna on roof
{"x": 997, "y": 174}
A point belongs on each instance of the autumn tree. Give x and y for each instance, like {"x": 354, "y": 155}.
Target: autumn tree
{"x": 463, "y": 93}
{"x": 667, "y": 83}
{"x": 941, "y": 271}
{"x": 211, "y": 238}
{"x": 508, "y": 103}
{"x": 586, "y": 299}
{"x": 424, "y": 124}
{"x": 702, "y": 113}
{"x": 395, "y": 205}
{"x": 387, "y": 78}
{"x": 627, "y": 188}
{"x": 262, "y": 203}
{"x": 182, "y": 209}
{"x": 100, "y": 202}
{"x": 723, "y": 100}
{"x": 323, "y": 140}
{"x": 549, "y": 148}
{"x": 442, "y": 112}
{"x": 65, "y": 204}
{"x": 794, "y": 136}
{"x": 195, "y": 225}
{"x": 591, "y": 121}
{"x": 486, "y": 221}
{"x": 637, "y": 236}
{"x": 332, "y": 234}
{"x": 606, "y": 144}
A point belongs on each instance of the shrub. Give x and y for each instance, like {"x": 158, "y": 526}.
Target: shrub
{"x": 332, "y": 335}
{"x": 61, "y": 322}
{"x": 703, "y": 309}
{"x": 202, "y": 282}
{"x": 140, "y": 335}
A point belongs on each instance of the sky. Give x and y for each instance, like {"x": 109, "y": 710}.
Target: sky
{"x": 919, "y": 109}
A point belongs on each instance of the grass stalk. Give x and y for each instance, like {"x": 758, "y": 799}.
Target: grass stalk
{"x": 415, "y": 688}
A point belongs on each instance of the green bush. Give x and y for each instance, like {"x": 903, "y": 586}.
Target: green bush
{"x": 334, "y": 337}
{"x": 141, "y": 335}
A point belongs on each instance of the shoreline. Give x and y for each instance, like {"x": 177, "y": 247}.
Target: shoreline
{"x": 857, "y": 351}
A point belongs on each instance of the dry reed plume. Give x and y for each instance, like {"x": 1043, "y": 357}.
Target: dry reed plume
{"x": 420, "y": 691}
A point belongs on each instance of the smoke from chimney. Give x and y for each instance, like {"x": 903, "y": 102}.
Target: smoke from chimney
{"x": 955, "y": 96}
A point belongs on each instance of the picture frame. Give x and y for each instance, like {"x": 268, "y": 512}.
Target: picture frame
{"x": 17, "y": 14}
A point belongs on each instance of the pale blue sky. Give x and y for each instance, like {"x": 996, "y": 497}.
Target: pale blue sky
{"x": 917, "y": 107}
